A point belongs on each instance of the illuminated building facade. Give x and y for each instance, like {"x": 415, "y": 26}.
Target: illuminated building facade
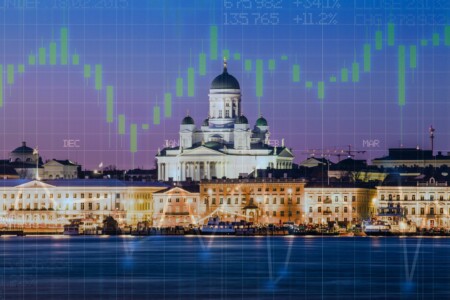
{"x": 265, "y": 201}
{"x": 345, "y": 204}
{"x": 177, "y": 206}
{"x": 224, "y": 145}
{"x": 425, "y": 204}
{"x": 48, "y": 205}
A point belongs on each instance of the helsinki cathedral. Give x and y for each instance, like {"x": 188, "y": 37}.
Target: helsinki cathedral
{"x": 224, "y": 145}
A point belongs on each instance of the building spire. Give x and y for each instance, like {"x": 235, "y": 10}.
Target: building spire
{"x": 225, "y": 65}
{"x": 432, "y": 130}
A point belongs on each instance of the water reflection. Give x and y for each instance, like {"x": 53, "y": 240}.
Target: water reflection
{"x": 237, "y": 267}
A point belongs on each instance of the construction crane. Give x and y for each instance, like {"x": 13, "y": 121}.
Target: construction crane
{"x": 334, "y": 152}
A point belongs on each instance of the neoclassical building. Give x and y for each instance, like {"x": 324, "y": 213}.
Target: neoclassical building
{"x": 224, "y": 145}
{"x": 44, "y": 206}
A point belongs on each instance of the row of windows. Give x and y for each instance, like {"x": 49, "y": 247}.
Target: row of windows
{"x": 281, "y": 189}
{"x": 336, "y": 199}
{"x": 422, "y": 211}
{"x": 75, "y": 206}
{"x": 328, "y": 209}
{"x": 161, "y": 200}
{"x": 413, "y": 197}
{"x": 43, "y": 196}
{"x": 289, "y": 213}
{"x": 244, "y": 201}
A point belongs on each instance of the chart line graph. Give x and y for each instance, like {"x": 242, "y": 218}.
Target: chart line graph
{"x": 54, "y": 52}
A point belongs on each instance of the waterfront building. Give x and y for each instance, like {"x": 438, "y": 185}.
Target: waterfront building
{"x": 343, "y": 203}
{"x": 178, "y": 206}
{"x": 224, "y": 145}
{"x": 49, "y": 205}
{"x": 411, "y": 157}
{"x": 424, "y": 203}
{"x": 259, "y": 200}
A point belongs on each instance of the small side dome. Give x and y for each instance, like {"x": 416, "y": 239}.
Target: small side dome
{"x": 241, "y": 120}
{"x": 261, "y": 121}
{"x": 205, "y": 122}
{"x": 24, "y": 149}
{"x": 187, "y": 121}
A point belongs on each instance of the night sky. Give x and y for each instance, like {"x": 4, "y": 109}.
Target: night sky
{"x": 144, "y": 46}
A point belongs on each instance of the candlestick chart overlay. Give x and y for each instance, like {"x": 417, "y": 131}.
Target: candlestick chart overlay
{"x": 110, "y": 81}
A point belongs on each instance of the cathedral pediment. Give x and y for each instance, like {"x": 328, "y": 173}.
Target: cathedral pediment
{"x": 286, "y": 153}
{"x": 201, "y": 150}
{"x": 35, "y": 184}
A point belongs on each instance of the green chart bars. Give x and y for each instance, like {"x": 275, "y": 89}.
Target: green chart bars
{"x": 10, "y": 74}
{"x": 355, "y": 72}
{"x": 56, "y": 52}
{"x": 75, "y": 59}
{"x": 167, "y": 105}
{"x": 367, "y": 65}
{"x": 191, "y": 82}
{"x": 121, "y": 124}
{"x": 447, "y": 36}
{"x": 391, "y": 34}
{"x": 344, "y": 74}
{"x": 87, "y": 71}
{"x": 31, "y": 59}
{"x": 401, "y": 75}
{"x": 156, "y": 115}
{"x": 259, "y": 78}
{"x": 109, "y": 104}
{"x": 98, "y": 77}
{"x": 63, "y": 46}
{"x": 202, "y": 64}
{"x": 248, "y": 65}
{"x": 435, "y": 39}
{"x": 412, "y": 57}
{"x": 133, "y": 138}
{"x": 296, "y": 73}
{"x": 213, "y": 43}
{"x": 320, "y": 90}
{"x": 42, "y": 59}
{"x": 1, "y": 85}
{"x": 271, "y": 65}
{"x": 179, "y": 87}
{"x": 52, "y": 53}
{"x": 378, "y": 40}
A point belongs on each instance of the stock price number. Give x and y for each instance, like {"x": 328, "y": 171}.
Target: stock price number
{"x": 251, "y": 19}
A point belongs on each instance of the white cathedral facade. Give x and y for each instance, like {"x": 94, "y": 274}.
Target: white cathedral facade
{"x": 224, "y": 145}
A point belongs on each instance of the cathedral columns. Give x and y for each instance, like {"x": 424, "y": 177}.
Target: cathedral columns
{"x": 182, "y": 171}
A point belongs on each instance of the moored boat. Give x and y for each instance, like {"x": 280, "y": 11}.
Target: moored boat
{"x": 216, "y": 227}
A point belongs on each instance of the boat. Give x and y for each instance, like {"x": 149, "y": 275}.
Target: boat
{"x": 377, "y": 228}
{"x": 291, "y": 227}
{"x": 71, "y": 229}
{"x": 80, "y": 227}
{"x": 394, "y": 216}
{"x": 216, "y": 227}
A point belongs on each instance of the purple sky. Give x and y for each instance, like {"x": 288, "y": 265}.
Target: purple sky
{"x": 143, "y": 46}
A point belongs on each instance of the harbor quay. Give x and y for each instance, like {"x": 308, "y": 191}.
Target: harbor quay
{"x": 47, "y": 206}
